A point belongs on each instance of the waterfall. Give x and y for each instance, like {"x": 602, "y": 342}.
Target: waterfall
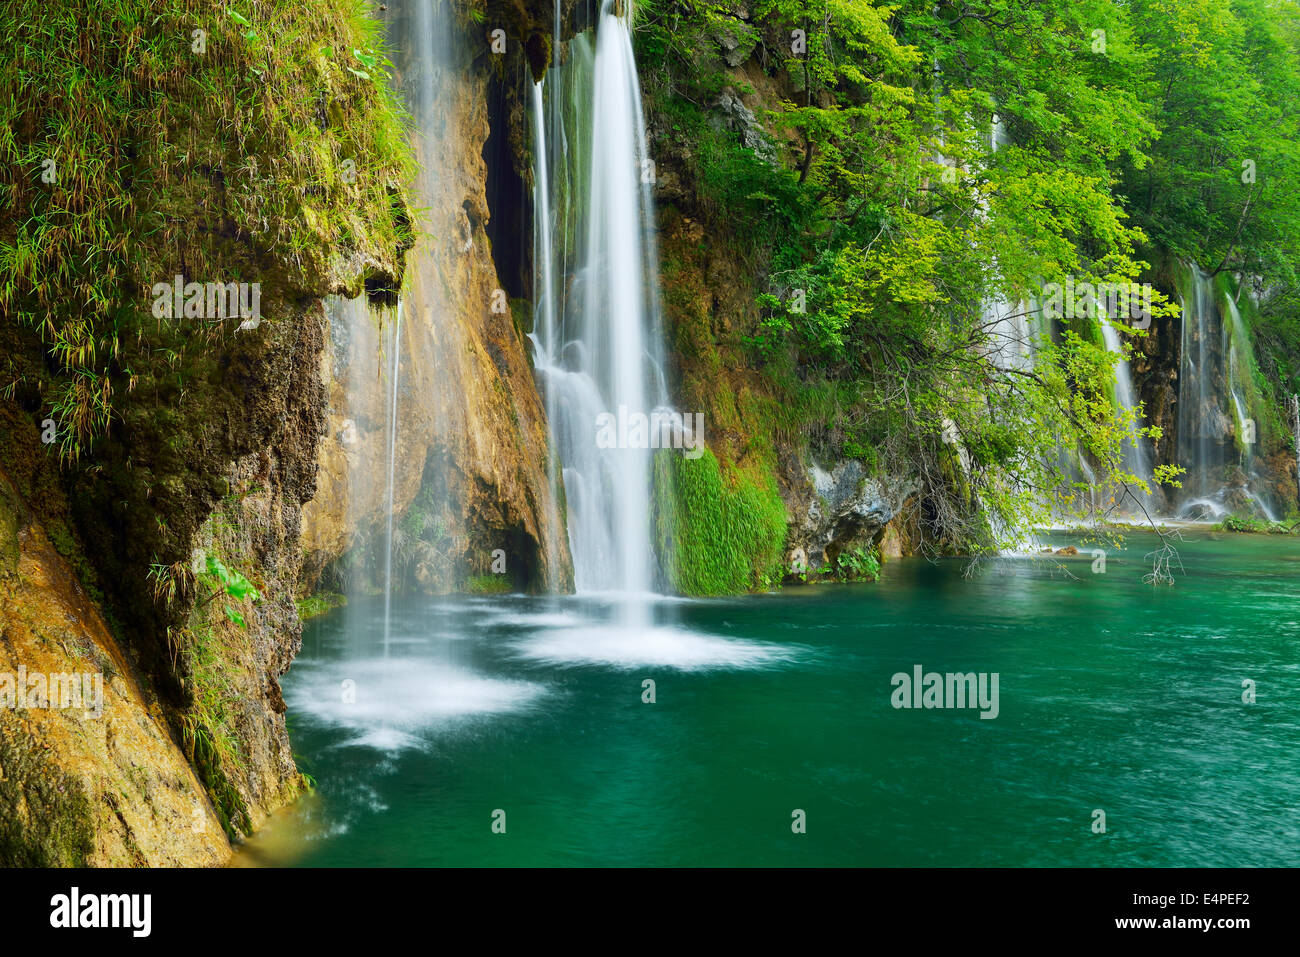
{"x": 363, "y": 359}
{"x": 395, "y": 344}
{"x": 1136, "y": 459}
{"x": 1238, "y": 350}
{"x": 544, "y": 271}
{"x": 597, "y": 354}
{"x": 1008, "y": 323}
{"x": 1215, "y": 432}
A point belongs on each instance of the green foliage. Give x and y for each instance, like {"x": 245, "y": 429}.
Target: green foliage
{"x": 1249, "y": 523}
{"x": 167, "y": 159}
{"x": 210, "y": 655}
{"x": 1221, "y": 81}
{"x": 723, "y": 533}
{"x": 488, "y": 585}
{"x": 858, "y": 564}
{"x": 319, "y": 603}
{"x": 207, "y": 729}
{"x": 233, "y": 584}
{"x": 929, "y": 159}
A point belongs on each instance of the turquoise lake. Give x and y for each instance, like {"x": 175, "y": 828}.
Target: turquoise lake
{"x": 1113, "y": 695}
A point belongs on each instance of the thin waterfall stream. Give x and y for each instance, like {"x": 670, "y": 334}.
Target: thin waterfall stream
{"x": 395, "y": 344}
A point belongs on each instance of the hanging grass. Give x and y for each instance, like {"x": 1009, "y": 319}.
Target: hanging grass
{"x": 142, "y": 139}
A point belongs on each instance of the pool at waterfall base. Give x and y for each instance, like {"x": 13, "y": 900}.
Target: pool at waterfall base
{"x": 766, "y": 730}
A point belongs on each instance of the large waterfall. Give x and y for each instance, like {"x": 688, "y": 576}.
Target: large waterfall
{"x": 597, "y": 328}
{"x": 1216, "y": 433}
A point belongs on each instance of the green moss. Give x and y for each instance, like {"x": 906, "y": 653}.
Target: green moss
{"x": 721, "y": 533}
{"x": 521, "y": 313}
{"x": 207, "y": 730}
{"x": 1249, "y": 523}
{"x": 61, "y": 538}
{"x": 488, "y": 585}
{"x": 45, "y": 816}
{"x": 211, "y": 648}
{"x": 10, "y": 509}
{"x": 318, "y": 604}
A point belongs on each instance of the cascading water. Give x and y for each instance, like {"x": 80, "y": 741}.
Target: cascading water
{"x": 395, "y": 345}
{"x": 1237, "y": 348}
{"x": 1136, "y": 459}
{"x": 598, "y": 326}
{"x": 1215, "y": 432}
{"x": 1294, "y": 406}
{"x": 364, "y": 360}
{"x": 1193, "y": 390}
{"x": 1008, "y": 324}
{"x": 544, "y": 272}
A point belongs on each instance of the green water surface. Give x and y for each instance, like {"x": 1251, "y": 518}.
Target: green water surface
{"x": 1113, "y": 695}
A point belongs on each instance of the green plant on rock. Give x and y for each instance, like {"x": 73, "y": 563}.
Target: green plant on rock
{"x": 232, "y": 584}
{"x": 210, "y": 657}
{"x": 126, "y": 123}
{"x": 858, "y": 564}
{"x": 488, "y": 585}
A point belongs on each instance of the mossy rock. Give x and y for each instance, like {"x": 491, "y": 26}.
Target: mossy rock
{"x": 45, "y": 816}
{"x": 720, "y": 532}
{"x": 11, "y": 510}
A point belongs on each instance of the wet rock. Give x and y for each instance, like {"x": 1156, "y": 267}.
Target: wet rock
{"x": 93, "y": 784}
{"x": 471, "y": 472}
{"x": 843, "y": 508}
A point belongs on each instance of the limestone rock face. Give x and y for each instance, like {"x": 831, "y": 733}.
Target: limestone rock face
{"x": 109, "y": 559}
{"x": 472, "y": 453}
{"x": 733, "y": 114}
{"x": 101, "y": 781}
{"x": 832, "y": 511}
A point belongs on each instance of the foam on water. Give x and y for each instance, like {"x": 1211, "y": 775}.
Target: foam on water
{"x": 399, "y": 701}
{"x": 627, "y": 649}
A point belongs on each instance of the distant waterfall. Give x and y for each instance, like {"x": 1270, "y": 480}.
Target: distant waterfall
{"x": 1215, "y": 432}
{"x": 1008, "y": 324}
{"x": 1137, "y": 461}
{"x": 1293, "y": 405}
{"x": 597, "y": 326}
{"x": 1237, "y": 349}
